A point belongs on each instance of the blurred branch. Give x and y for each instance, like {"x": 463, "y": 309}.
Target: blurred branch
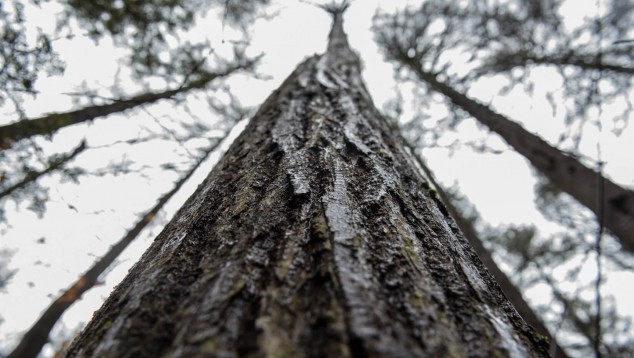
{"x": 51, "y": 123}
{"x": 54, "y": 164}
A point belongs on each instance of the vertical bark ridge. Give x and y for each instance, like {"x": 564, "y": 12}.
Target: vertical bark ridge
{"x": 313, "y": 236}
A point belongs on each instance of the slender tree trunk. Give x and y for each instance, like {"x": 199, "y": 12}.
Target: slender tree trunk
{"x": 512, "y": 60}
{"x": 510, "y": 291}
{"x": 53, "y": 165}
{"x": 311, "y": 237}
{"x": 51, "y": 123}
{"x": 615, "y": 206}
{"x": 585, "y": 63}
{"x": 37, "y": 336}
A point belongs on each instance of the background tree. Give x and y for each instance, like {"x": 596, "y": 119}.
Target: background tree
{"x": 429, "y": 41}
{"x": 595, "y": 65}
{"x": 28, "y": 168}
{"x": 190, "y": 65}
{"x": 146, "y": 28}
{"x": 413, "y": 50}
{"x": 51, "y": 123}
{"x": 38, "y": 335}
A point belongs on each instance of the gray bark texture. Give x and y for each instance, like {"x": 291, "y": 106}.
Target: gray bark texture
{"x": 313, "y": 236}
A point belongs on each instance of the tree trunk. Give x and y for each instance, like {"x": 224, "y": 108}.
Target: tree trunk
{"x": 37, "y": 336}
{"x": 510, "y": 291}
{"x": 583, "y": 62}
{"x": 51, "y": 123}
{"x": 313, "y": 236}
{"x": 505, "y": 61}
{"x": 614, "y": 204}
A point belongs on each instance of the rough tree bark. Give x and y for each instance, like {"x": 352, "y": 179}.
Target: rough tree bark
{"x": 313, "y": 236}
{"x": 613, "y": 203}
{"x": 510, "y": 290}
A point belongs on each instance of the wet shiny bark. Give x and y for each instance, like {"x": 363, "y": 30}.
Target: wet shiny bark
{"x": 315, "y": 235}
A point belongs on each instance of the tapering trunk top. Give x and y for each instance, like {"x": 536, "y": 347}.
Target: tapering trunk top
{"x": 315, "y": 235}
{"x": 339, "y": 51}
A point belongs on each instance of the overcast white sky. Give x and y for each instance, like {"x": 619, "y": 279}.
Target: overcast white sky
{"x": 501, "y": 186}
